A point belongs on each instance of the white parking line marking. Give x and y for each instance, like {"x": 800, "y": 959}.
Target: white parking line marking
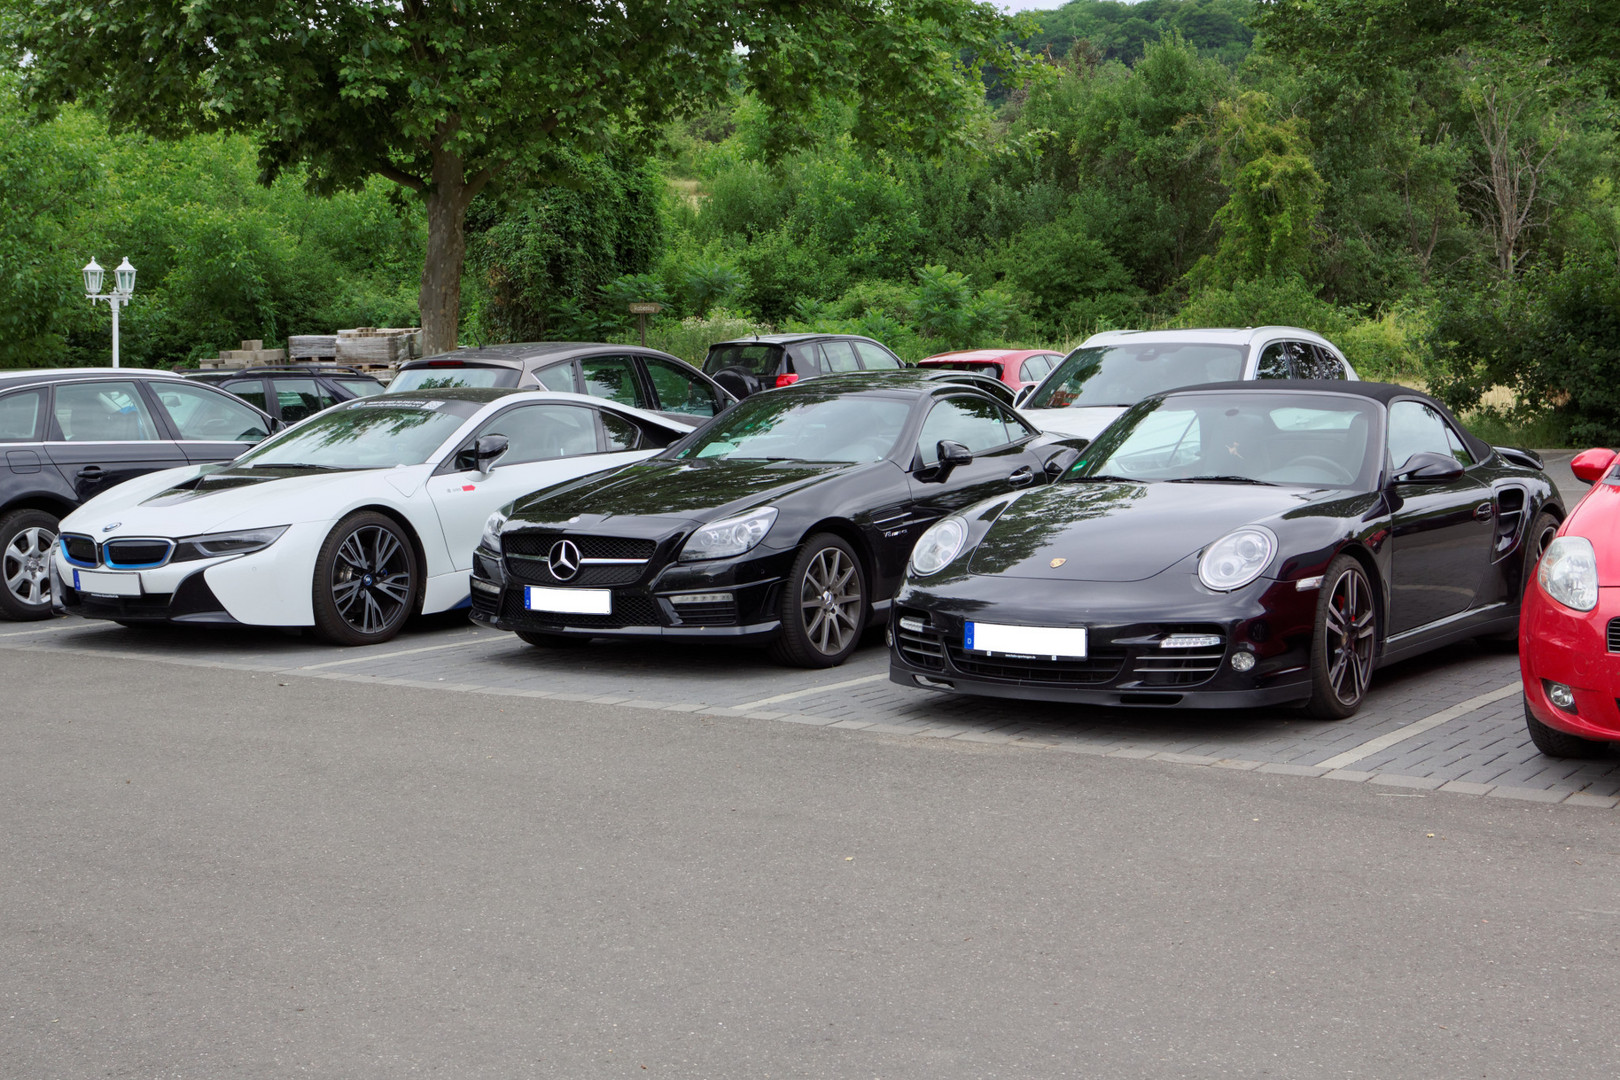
{"x": 50, "y": 629}
{"x": 1417, "y": 727}
{"x": 808, "y": 692}
{"x": 398, "y": 652}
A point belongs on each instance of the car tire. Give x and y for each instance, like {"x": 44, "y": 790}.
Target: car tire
{"x": 366, "y": 581}
{"x": 1344, "y": 642}
{"x": 822, "y": 605}
{"x": 26, "y": 540}
{"x": 1560, "y": 744}
{"x": 1542, "y": 531}
{"x": 542, "y": 640}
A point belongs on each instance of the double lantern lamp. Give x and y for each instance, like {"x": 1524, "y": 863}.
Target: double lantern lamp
{"x": 123, "y": 286}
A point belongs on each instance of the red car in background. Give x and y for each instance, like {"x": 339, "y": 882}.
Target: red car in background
{"x": 1569, "y": 627}
{"x": 1017, "y": 368}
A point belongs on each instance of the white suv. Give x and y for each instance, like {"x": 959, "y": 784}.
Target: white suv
{"x": 1114, "y": 370}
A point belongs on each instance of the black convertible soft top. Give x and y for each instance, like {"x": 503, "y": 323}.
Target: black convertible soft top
{"x": 1383, "y": 393}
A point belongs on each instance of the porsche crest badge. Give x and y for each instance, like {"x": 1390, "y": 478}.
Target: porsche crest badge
{"x": 1057, "y": 563}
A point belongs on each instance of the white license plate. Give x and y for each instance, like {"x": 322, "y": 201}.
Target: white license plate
{"x": 1025, "y": 640}
{"x": 102, "y": 584}
{"x": 569, "y": 601}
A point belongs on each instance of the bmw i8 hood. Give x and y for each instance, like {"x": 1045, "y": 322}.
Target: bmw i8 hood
{"x": 674, "y": 491}
{"x": 1121, "y": 531}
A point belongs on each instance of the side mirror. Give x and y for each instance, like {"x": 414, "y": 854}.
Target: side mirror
{"x": 951, "y": 454}
{"x": 1023, "y": 394}
{"x": 487, "y": 451}
{"x": 1590, "y": 465}
{"x": 1061, "y": 462}
{"x": 1429, "y": 467}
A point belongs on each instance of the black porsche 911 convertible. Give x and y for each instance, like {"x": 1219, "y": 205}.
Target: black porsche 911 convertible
{"x": 1233, "y": 544}
{"x": 785, "y": 521}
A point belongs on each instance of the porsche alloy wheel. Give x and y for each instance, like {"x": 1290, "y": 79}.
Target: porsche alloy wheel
{"x": 365, "y": 581}
{"x": 1346, "y": 638}
{"x": 27, "y": 537}
{"x": 823, "y": 606}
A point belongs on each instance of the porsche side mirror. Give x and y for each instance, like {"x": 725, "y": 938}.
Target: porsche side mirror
{"x": 1428, "y": 467}
{"x": 1590, "y": 465}
{"x": 1061, "y": 462}
{"x": 1023, "y": 395}
{"x": 487, "y": 451}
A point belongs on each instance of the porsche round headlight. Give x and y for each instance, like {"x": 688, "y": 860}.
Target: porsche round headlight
{"x": 733, "y": 536}
{"x": 491, "y": 539}
{"x": 938, "y": 546}
{"x": 1568, "y": 572}
{"x": 1237, "y": 558}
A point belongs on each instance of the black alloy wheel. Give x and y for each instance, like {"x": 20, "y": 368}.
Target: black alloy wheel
{"x": 26, "y": 540}
{"x": 366, "y": 581}
{"x": 1560, "y": 744}
{"x": 823, "y": 605}
{"x": 1345, "y": 640}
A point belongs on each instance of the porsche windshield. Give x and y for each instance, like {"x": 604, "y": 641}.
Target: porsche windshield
{"x": 1320, "y": 440}
{"x": 1125, "y": 374}
{"x": 803, "y": 427}
{"x": 370, "y": 434}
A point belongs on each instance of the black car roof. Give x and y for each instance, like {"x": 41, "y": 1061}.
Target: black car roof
{"x": 524, "y": 352}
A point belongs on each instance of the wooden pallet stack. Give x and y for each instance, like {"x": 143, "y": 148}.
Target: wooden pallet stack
{"x": 251, "y": 354}
{"x": 312, "y": 348}
{"x": 378, "y": 346}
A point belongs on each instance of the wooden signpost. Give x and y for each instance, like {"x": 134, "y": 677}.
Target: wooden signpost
{"x": 641, "y": 309}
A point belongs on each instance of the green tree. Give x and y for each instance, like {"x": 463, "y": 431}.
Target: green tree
{"x": 445, "y": 96}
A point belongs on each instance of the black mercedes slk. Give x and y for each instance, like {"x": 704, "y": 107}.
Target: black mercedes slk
{"x": 787, "y": 520}
{"x": 1229, "y": 545}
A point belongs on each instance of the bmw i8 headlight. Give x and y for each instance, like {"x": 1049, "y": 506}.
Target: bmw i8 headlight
{"x": 1237, "y": 558}
{"x": 938, "y": 546}
{"x": 491, "y": 539}
{"x": 732, "y": 536}
{"x": 1568, "y": 572}
{"x": 217, "y": 545}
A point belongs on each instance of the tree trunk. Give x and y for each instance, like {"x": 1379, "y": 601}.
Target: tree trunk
{"x": 447, "y": 196}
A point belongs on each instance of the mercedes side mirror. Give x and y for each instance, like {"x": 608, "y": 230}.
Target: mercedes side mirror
{"x": 1428, "y": 467}
{"x": 951, "y": 454}
{"x": 1061, "y": 462}
{"x": 1590, "y": 465}
{"x": 1023, "y": 395}
{"x": 487, "y": 451}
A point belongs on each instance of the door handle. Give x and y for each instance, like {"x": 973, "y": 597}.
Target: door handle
{"x": 90, "y": 472}
{"x": 1482, "y": 512}
{"x": 1020, "y": 477}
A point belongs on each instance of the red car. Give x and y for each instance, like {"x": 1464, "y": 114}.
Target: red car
{"x": 1017, "y": 368}
{"x": 1569, "y": 629}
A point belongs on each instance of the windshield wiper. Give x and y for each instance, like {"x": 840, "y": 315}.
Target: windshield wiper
{"x": 294, "y": 465}
{"x": 1106, "y": 478}
{"x": 1222, "y": 479}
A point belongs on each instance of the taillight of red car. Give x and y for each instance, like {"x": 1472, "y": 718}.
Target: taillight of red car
{"x": 786, "y": 380}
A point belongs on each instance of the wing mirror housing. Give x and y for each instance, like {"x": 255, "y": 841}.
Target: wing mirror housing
{"x": 1023, "y": 395}
{"x": 1429, "y": 467}
{"x": 487, "y": 451}
{"x": 1589, "y": 466}
{"x": 951, "y": 454}
{"x": 1061, "y": 462}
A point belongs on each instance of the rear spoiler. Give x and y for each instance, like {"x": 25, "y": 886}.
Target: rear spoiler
{"x": 1519, "y": 456}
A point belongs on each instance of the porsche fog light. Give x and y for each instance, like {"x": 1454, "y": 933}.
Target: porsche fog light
{"x": 938, "y": 546}
{"x": 1568, "y": 572}
{"x": 1237, "y": 558}
{"x": 733, "y": 536}
{"x": 217, "y": 545}
{"x": 491, "y": 538}
{"x": 1242, "y": 661}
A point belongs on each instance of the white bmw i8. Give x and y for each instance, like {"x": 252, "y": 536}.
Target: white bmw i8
{"x": 349, "y": 522}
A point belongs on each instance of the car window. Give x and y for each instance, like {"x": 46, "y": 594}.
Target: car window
{"x": 876, "y": 357}
{"x": 249, "y": 390}
{"x": 558, "y": 377}
{"x": 679, "y": 391}
{"x": 1416, "y": 428}
{"x": 1033, "y": 368}
{"x": 543, "y": 432}
{"x": 301, "y": 398}
{"x": 208, "y": 415}
{"x": 621, "y": 434}
{"x": 1273, "y": 361}
{"x": 613, "y": 378}
{"x": 802, "y": 427}
{"x": 360, "y": 387}
{"x": 1126, "y": 373}
{"x": 103, "y": 412}
{"x": 1314, "y": 362}
{"x": 442, "y": 375}
{"x": 20, "y": 414}
{"x": 839, "y": 356}
{"x": 977, "y": 424}
{"x": 1458, "y": 449}
{"x": 756, "y": 358}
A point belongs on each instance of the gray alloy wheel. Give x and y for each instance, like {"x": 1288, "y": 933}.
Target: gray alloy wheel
{"x": 1345, "y": 640}
{"x": 823, "y": 606}
{"x": 365, "y": 581}
{"x": 28, "y": 537}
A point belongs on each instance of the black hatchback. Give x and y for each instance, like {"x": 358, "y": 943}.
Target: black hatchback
{"x": 68, "y": 435}
{"x": 749, "y": 365}
{"x": 293, "y": 392}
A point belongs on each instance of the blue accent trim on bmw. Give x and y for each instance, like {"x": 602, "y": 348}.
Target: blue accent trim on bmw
{"x": 107, "y": 558}
{"x": 62, "y": 542}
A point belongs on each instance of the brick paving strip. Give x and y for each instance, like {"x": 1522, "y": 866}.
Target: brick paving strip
{"x": 1416, "y": 734}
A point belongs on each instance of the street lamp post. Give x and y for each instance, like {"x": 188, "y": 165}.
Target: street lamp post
{"x": 123, "y": 286}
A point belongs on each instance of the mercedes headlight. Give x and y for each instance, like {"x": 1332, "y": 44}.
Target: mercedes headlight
{"x": 491, "y": 538}
{"x": 1237, "y": 558}
{"x": 217, "y": 545}
{"x": 938, "y": 546}
{"x": 1568, "y": 572}
{"x": 733, "y": 536}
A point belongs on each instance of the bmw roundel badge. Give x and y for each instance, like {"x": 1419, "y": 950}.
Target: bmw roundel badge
{"x": 110, "y": 528}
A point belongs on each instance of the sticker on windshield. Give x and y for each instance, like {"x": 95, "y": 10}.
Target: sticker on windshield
{"x": 396, "y": 403}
